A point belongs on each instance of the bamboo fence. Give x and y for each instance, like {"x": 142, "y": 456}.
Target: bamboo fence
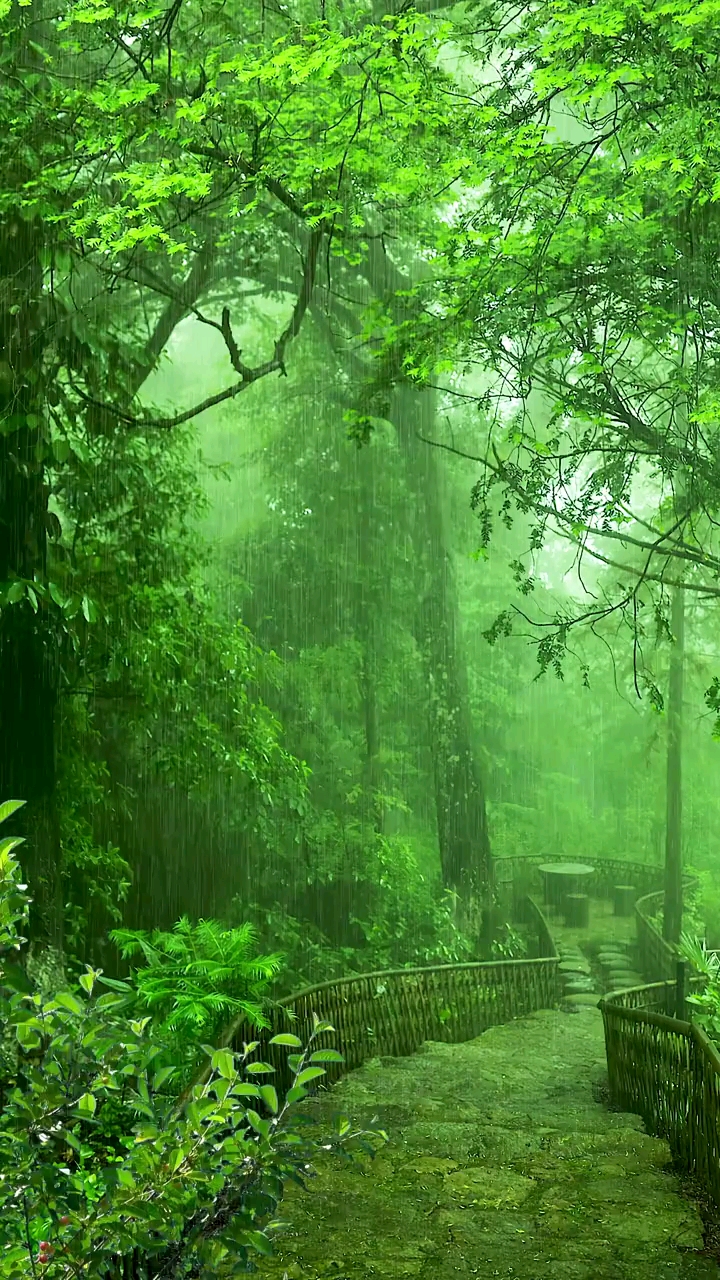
{"x": 392, "y": 1013}
{"x": 657, "y": 957}
{"x": 667, "y": 1071}
{"x": 523, "y": 869}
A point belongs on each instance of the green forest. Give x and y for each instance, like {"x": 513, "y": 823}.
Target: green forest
{"x": 359, "y": 559}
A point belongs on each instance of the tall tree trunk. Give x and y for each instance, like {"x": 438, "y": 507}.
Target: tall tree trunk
{"x": 369, "y": 604}
{"x": 463, "y": 837}
{"x": 673, "y": 909}
{"x": 29, "y": 661}
{"x": 673, "y": 903}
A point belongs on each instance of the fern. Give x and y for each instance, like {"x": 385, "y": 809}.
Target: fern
{"x": 197, "y": 976}
{"x": 707, "y": 1001}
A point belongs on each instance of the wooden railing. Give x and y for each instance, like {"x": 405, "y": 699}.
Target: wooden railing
{"x": 666, "y": 1070}
{"x": 545, "y": 941}
{"x": 660, "y": 1066}
{"x": 657, "y": 957}
{"x": 392, "y": 1013}
{"x": 519, "y": 876}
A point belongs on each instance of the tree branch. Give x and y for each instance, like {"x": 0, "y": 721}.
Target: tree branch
{"x": 248, "y": 375}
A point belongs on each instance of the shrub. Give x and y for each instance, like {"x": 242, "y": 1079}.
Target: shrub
{"x": 99, "y": 1159}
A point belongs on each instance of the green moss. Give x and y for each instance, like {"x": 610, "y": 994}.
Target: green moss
{"x": 500, "y": 1163}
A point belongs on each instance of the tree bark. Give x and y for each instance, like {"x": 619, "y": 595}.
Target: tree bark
{"x": 463, "y": 837}
{"x": 369, "y": 605}
{"x": 673, "y": 907}
{"x": 29, "y": 659}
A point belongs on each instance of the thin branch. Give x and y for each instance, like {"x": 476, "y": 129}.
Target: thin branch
{"x": 248, "y": 375}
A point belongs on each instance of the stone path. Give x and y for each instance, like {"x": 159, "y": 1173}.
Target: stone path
{"x": 500, "y": 1163}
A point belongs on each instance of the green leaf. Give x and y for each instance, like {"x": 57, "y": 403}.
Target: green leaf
{"x": 87, "y": 980}
{"x": 326, "y": 1055}
{"x": 257, "y": 1240}
{"x": 9, "y": 807}
{"x": 27, "y": 1036}
{"x": 259, "y": 1125}
{"x": 61, "y": 451}
{"x": 87, "y": 1104}
{"x": 161, "y": 1076}
{"x": 147, "y": 1133}
{"x": 319, "y": 1026}
{"x": 310, "y": 1073}
{"x": 8, "y": 844}
{"x": 223, "y": 1061}
{"x": 259, "y": 1068}
{"x": 68, "y": 1001}
{"x": 114, "y": 983}
{"x": 269, "y": 1096}
{"x": 286, "y": 1038}
{"x": 89, "y": 610}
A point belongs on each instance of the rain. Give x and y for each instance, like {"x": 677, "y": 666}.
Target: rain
{"x": 359, "y": 678}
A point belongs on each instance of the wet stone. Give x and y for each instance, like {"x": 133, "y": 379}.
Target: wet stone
{"x": 504, "y": 1165}
{"x": 626, "y": 979}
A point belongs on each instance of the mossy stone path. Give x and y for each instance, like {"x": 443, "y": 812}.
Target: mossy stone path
{"x": 500, "y": 1163}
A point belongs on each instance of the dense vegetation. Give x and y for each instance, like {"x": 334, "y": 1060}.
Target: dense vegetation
{"x": 357, "y": 369}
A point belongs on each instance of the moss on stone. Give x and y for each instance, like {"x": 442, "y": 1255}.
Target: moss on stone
{"x": 500, "y": 1164}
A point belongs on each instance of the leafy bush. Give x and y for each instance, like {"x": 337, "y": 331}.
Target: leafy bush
{"x": 509, "y": 944}
{"x": 309, "y": 955}
{"x": 409, "y": 922}
{"x": 99, "y": 1158}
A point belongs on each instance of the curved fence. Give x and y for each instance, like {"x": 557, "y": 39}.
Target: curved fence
{"x": 667, "y": 1071}
{"x": 522, "y": 870}
{"x": 659, "y": 1066}
{"x": 392, "y": 1013}
{"x": 657, "y": 957}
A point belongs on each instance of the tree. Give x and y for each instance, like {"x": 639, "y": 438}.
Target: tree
{"x": 570, "y": 269}
{"x": 335, "y": 586}
{"x": 144, "y": 162}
